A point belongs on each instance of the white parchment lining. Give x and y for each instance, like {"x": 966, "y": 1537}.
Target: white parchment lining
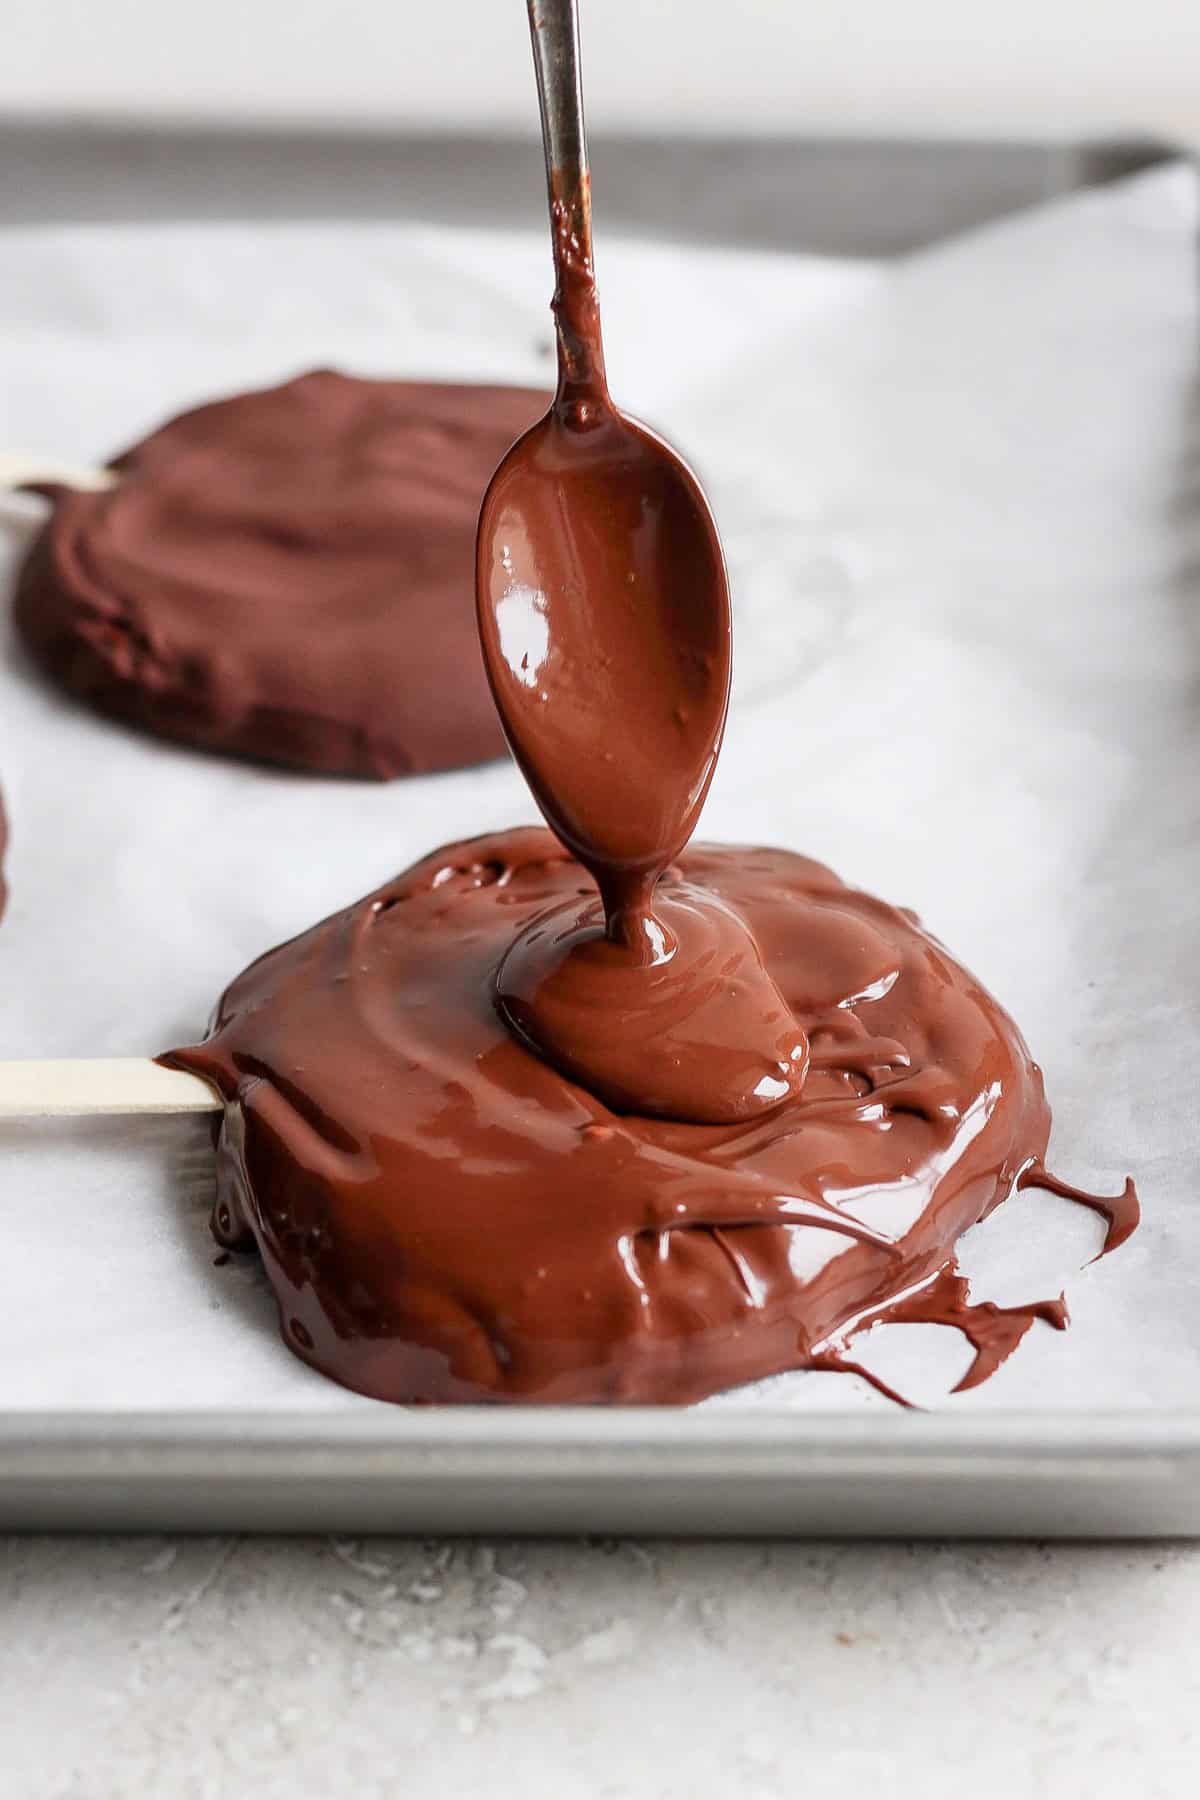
{"x": 960, "y": 499}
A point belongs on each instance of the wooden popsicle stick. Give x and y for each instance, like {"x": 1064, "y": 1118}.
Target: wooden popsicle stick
{"x": 92, "y": 1087}
{"x": 18, "y": 470}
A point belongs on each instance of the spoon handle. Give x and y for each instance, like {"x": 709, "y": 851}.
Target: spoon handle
{"x": 554, "y": 31}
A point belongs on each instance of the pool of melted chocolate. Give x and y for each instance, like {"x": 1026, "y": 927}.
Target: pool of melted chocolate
{"x": 446, "y": 1216}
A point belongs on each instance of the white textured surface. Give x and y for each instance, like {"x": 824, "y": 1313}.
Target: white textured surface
{"x": 213, "y": 1670}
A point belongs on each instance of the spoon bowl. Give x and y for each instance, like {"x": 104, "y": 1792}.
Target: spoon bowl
{"x": 602, "y": 595}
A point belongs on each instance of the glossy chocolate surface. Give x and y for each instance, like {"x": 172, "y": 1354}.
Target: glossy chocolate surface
{"x": 446, "y": 1216}
{"x": 698, "y": 1032}
{"x": 286, "y": 575}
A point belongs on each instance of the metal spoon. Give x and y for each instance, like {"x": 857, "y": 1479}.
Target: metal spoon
{"x": 600, "y": 583}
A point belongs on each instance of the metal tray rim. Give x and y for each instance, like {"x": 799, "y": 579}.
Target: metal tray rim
{"x": 606, "y": 1471}
{"x": 600, "y": 1430}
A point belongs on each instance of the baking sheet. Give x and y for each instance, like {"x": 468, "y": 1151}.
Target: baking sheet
{"x": 959, "y": 496}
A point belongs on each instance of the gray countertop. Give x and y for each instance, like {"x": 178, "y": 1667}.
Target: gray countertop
{"x": 600, "y": 1670}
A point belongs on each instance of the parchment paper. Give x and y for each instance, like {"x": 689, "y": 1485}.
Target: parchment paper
{"x": 960, "y": 500}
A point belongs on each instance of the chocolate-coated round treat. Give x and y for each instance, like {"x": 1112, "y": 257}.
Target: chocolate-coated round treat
{"x": 445, "y": 1216}
{"x": 286, "y": 575}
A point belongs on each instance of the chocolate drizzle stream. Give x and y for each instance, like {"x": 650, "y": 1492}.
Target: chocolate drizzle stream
{"x": 1121, "y": 1212}
{"x": 992, "y": 1331}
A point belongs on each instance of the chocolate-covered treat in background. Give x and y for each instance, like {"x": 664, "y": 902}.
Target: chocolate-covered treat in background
{"x": 286, "y": 575}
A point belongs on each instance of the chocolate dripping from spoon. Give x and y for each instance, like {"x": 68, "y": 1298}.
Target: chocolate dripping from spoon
{"x": 604, "y": 617}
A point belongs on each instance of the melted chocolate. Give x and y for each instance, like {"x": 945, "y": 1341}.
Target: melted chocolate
{"x": 602, "y": 598}
{"x": 992, "y": 1331}
{"x": 699, "y": 1033}
{"x": 446, "y": 1216}
{"x": 286, "y": 575}
{"x": 1121, "y": 1212}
